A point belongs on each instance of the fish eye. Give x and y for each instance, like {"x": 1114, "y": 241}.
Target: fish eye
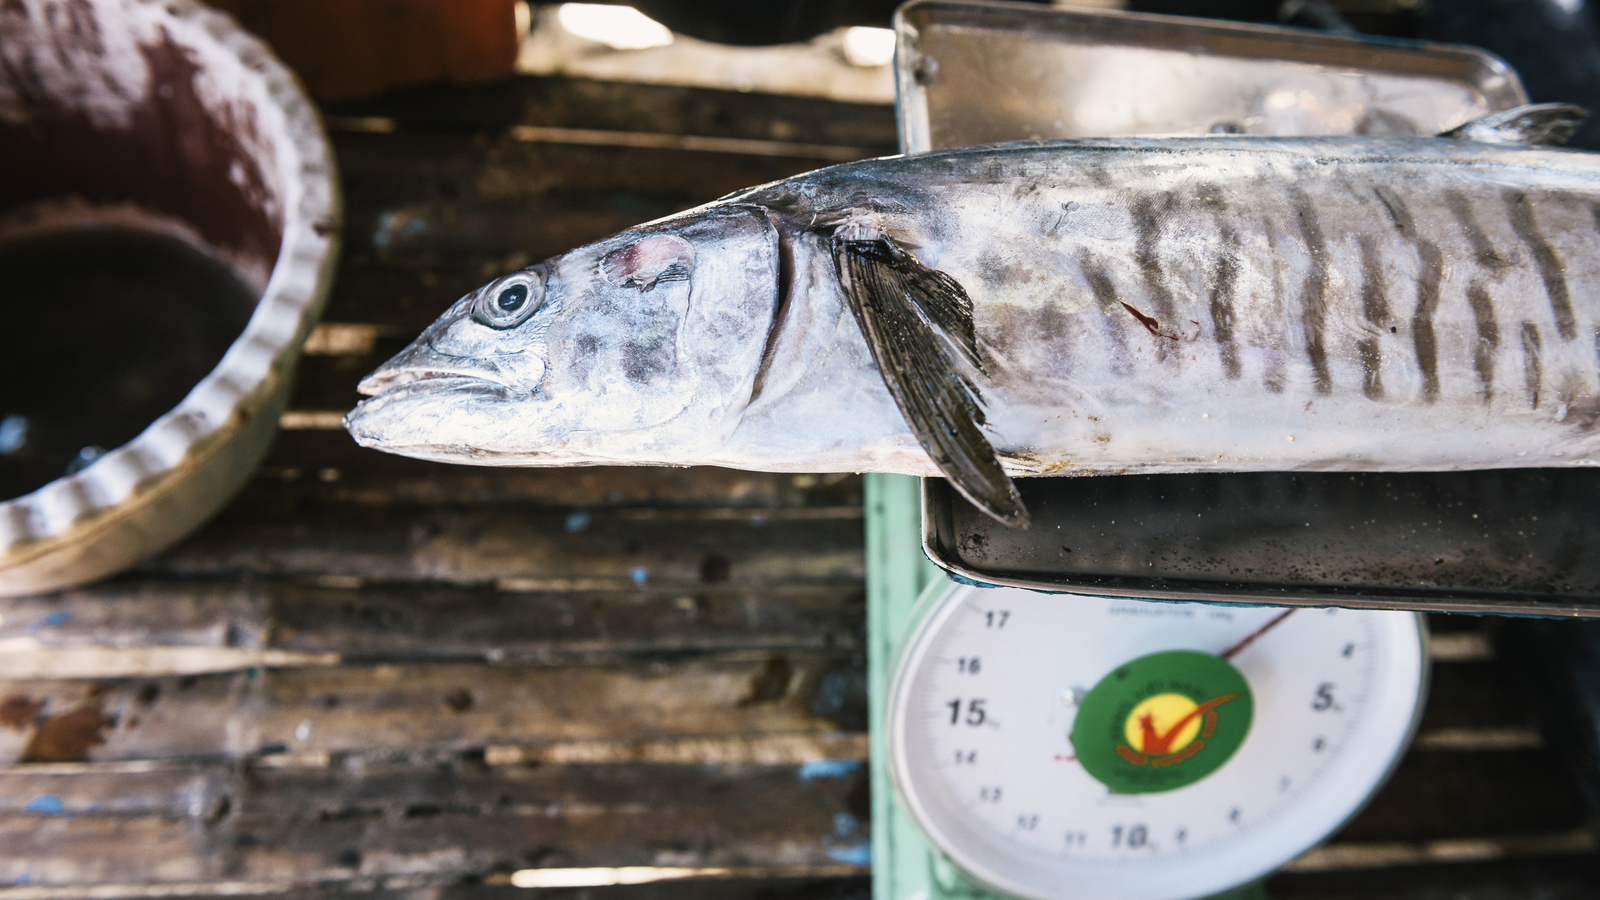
{"x": 509, "y": 302}
{"x": 512, "y": 298}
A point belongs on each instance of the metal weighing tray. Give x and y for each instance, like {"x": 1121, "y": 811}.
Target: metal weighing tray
{"x": 977, "y": 73}
{"x": 1506, "y": 541}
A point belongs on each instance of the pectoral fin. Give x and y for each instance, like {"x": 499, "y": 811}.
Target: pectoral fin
{"x": 1538, "y": 123}
{"x": 918, "y": 323}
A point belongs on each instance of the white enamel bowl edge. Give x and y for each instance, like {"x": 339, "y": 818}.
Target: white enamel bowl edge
{"x": 147, "y": 494}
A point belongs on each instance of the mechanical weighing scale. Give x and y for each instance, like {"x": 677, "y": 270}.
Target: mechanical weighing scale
{"x": 1104, "y": 747}
{"x": 1115, "y": 749}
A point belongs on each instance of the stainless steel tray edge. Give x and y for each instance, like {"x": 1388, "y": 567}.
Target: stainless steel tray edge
{"x": 938, "y": 537}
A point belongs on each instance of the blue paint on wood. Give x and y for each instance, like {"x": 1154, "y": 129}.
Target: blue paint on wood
{"x": 829, "y": 768}
{"x": 45, "y": 804}
{"x": 55, "y": 618}
{"x": 857, "y": 854}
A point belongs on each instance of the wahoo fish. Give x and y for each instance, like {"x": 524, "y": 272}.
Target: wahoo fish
{"x": 1084, "y": 307}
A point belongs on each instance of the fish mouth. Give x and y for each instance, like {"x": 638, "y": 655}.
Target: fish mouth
{"x": 385, "y": 381}
{"x": 381, "y": 420}
{"x": 422, "y": 362}
{"x": 405, "y": 384}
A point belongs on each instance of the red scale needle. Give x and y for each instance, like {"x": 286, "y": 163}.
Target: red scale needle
{"x": 1249, "y": 638}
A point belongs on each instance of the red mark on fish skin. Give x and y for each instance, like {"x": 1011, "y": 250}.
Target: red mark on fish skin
{"x": 658, "y": 257}
{"x": 1149, "y": 322}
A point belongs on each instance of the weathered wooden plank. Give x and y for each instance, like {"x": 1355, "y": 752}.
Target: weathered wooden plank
{"x": 135, "y": 613}
{"x": 1568, "y": 877}
{"x": 428, "y": 707}
{"x": 822, "y": 882}
{"x": 145, "y": 662}
{"x": 84, "y": 850}
{"x": 1442, "y": 794}
{"x": 524, "y": 549}
{"x": 467, "y": 706}
{"x": 374, "y": 787}
{"x": 482, "y": 176}
{"x": 327, "y": 466}
{"x": 385, "y": 623}
{"x": 329, "y": 381}
{"x": 453, "y": 822}
{"x": 1475, "y": 694}
{"x": 580, "y": 103}
{"x": 1558, "y": 665}
{"x": 812, "y": 797}
{"x": 1385, "y": 854}
{"x": 164, "y": 789}
{"x": 126, "y": 719}
{"x": 781, "y": 884}
{"x": 133, "y": 616}
{"x": 1561, "y": 877}
{"x": 766, "y": 749}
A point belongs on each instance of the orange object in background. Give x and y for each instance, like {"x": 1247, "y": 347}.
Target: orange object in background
{"x": 354, "y": 48}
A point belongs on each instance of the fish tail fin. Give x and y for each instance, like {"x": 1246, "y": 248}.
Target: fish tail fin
{"x": 1535, "y": 123}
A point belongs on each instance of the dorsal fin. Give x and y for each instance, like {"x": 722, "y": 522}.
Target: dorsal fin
{"x": 1538, "y": 123}
{"x": 918, "y": 324}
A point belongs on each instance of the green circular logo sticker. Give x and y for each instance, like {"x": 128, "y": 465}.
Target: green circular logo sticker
{"x": 1162, "y": 722}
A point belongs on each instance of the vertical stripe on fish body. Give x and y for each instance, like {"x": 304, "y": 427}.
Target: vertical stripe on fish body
{"x": 1256, "y": 304}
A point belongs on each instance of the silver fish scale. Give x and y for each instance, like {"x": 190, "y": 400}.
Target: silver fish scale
{"x": 1166, "y": 306}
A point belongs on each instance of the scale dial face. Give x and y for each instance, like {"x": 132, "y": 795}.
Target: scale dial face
{"x": 1077, "y": 748}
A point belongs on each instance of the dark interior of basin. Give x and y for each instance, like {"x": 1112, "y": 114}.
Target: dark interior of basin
{"x": 109, "y": 327}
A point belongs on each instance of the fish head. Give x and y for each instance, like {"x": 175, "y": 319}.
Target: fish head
{"x": 642, "y": 348}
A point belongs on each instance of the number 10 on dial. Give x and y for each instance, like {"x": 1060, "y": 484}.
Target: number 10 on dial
{"x": 1074, "y": 748}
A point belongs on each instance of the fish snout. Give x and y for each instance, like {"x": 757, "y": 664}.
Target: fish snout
{"x": 519, "y": 371}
